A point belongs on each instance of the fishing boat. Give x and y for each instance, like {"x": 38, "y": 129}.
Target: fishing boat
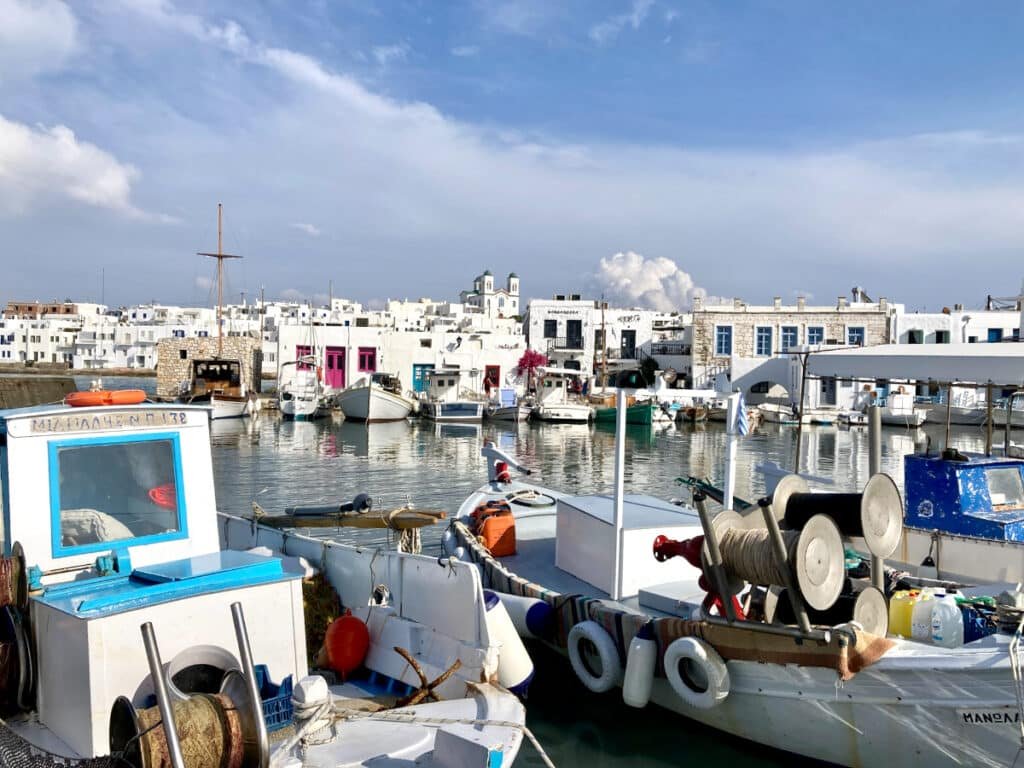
{"x": 300, "y": 394}
{"x": 555, "y": 403}
{"x": 899, "y": 410}
{"x": 960, "y": 405}
{"x": 375, "y": 398}
{"x": 444, "y": 401}
{"x": 580, "y": 573}
{"x": 638, "y": 413}
{"x": 140, "y": 623}
{"x": 781, "y": 413}
{"x": 507, "y": 406}
{"x": 219, "y": 383}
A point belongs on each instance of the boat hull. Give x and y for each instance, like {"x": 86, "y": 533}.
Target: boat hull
{"x": 228, "y": 406}
{"x": 901, "y": 418}
{"x": 373, "y": 404}
{"x": 509, "y": 413}
{"x": 568, "y": 413}
{"x": 643, "y": 413}
{"x": 453, "y": 412}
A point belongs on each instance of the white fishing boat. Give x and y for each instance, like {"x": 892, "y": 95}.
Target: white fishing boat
{"x": 128, "y": 604}
{"x": 375, "y": 398}
{"x": 507, "y": 406}
{"x": 781, "y": 413}
{"x": 444, "y": 400}
{"x": 555, "y": 403}
{"x": 960, "y": 405}
{"x": 578, "y": 573}
{"x": 899, "y": 410}
{"x": 300, "y": 395}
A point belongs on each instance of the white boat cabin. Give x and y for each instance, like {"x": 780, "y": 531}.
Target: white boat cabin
{"x": 114, "y": 511}
{"x": 556, "y": 385}
{"x": 445, "y": 385}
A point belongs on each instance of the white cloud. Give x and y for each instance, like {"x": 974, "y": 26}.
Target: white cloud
{"x": 607, "y": 30}
{"x": 465, "y": 51}
{"x": 657, "y": 283}
{"x": 309, "y": 229}
{"x": 35, "y": 36}
{"x": 528, "y": 18}
{"x": 203, "y": 283}
{"x": 386, "y": 54}
{"x": 45, "y": 163}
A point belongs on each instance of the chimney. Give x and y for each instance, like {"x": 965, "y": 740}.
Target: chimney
{"x": 698, "y": 303}
{"x": 777, "y": 302}
{"x": 801, "y": 303}
{"x": 842, "y": 303}
{"x": 737, "y": 304}
{"x": 958, "y": 307}
{"x": 883, "y": 303}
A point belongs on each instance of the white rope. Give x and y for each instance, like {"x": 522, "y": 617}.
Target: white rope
{"x": 402, "y": 717}
{"x": 749, "y": 555}
{"x": 284, "y": 751}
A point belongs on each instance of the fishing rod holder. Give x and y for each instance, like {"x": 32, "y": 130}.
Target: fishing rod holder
{"x": 163, "y": 699}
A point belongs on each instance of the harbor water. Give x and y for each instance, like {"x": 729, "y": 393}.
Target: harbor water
{"x": 275, "y": 464}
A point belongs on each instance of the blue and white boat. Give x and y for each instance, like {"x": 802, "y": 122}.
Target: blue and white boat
{"x": 445, "y": 400}
{"x": 110, "y": 529}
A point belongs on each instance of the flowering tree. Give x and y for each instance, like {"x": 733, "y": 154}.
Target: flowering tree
{"x": 528, "y": 365}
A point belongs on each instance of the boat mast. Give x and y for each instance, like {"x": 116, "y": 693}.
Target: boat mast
{"x": 219, "y": 256}
{"x": 604, "y": 350}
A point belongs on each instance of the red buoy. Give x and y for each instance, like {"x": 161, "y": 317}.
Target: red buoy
{"x": 346, "y": 643}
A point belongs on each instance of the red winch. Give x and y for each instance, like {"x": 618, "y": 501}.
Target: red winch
{"x": 690, "y": 549}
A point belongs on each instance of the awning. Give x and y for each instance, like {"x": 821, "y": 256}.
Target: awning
{"x": 1001, "y": 364}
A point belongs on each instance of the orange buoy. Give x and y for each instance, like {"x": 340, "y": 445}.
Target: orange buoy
{"x": 106, "y": 397}
{"x": 346, "y": 643}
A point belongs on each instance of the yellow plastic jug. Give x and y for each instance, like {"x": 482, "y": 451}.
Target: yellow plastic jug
{"x": 901, "y": 609}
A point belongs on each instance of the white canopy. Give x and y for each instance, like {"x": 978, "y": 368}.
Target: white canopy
{"x": 1001, "y": 364}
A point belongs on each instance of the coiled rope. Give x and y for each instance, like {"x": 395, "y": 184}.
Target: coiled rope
{"x": 749, "y": 555}
{"x": 209, "y": 730}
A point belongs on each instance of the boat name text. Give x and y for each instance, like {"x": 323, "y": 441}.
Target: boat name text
{"x": 988, "y": 716}
{"x": 88, "y": 422}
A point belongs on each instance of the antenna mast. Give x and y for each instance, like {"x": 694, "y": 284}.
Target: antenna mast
{"x": 219, "y": 256}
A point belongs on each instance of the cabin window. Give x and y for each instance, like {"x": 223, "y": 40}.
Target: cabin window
{"x": 109, "y": 490}
{"x": 1005, "y": 487}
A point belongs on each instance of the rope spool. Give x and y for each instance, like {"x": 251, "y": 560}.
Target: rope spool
{"x": 866, "y": 607}
{"x": 876, "y": 514}
{"x": 814, "y": 555}
{"x": 209, "y": 729}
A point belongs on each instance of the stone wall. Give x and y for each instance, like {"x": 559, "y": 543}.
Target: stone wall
{"x": 175, "y": 356}
{"x": 22, "y": 391}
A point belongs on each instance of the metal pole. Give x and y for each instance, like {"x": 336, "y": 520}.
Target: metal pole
{"x": 620, "y": 472}
{"x": 220, "y": 286}
{"x": 874, "y": 467}
{"x": 796, "y": 600}
{"x": 163, "y": 700}
{"x": 245, "y": 657}
{"x": 949, "y": 412}
{"x": 988, "y": 419}
{"x": 800, "y": 410}
{"x": 719, "y": 582}
{"x": 731, "y": 414}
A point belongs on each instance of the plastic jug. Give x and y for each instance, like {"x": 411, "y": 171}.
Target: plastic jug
{"x": 921, "y": 616}
{"x": 947, "y": 622}
{"x": 901, "y": 608}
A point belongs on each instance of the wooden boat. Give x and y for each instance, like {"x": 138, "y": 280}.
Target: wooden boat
{"x": 300, "y": 394}
{"x": 508, "y": 407}
{"x": 899, "y": 411}
{"x": 444, "y": 401}
{"x": 374, "y": 399}
{"x": 638, "y": 413}
{"x": 554, "y": 401}
{"x": 909, "y": 704}
{"x": 129, "y": 542}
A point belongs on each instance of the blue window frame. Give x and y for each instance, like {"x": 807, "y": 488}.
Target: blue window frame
{"x": 790, "y": 337}
{"x": 126, "y": 490}
{"x": 723, "y": 340}
{"x": 763, "y": 341}
{"x": 815, "y": 334}
{"x": 995, "y": 335}
{"x": 855, "y": 335}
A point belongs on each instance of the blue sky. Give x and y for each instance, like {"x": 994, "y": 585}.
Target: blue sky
{"x": 399, "y": 148}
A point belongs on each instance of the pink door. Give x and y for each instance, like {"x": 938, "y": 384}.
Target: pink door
{"x": 334, "y": 375}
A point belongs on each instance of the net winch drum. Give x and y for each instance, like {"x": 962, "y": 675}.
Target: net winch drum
{"x": 871, "y": 612}
{"x": 722, "y": 522}
{"x": 876, "y": 514}
{"x": 127, "y": 733}
{"x": 817, "y": 561}
{"x": 866, "y": 608}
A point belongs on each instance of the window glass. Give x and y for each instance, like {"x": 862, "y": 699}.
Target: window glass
{"x": 550, "y": 329}
{"x": 790, "y": 337}
{"x": 1005, "y": 487}
{"x": 723, "y": 340}
{"x": 116, "y": 491}
{"x": 855, "y": 336}
{"x": 763, "y": 341}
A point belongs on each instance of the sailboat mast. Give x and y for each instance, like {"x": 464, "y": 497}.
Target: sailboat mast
{"x": 604, "y": 350}
{"x": 220, "y": 256}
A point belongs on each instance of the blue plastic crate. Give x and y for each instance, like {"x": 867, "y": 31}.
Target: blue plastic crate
{"x": 276, "y": 699}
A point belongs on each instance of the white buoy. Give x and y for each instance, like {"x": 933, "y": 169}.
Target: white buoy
{"x": 640, "y": 661}
{"x": 531, "y": 616}
{"x": 515, "y": 668}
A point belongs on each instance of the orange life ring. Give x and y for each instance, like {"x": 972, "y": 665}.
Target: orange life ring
{"x": 106, "y": 397}
{"x": 165, "y": 496}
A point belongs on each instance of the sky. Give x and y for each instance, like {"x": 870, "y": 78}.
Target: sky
{"x": 646, "y": 150}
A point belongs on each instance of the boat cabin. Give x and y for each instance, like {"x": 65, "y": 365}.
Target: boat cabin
{"x": 387, "y": 382}
{"x": 967, "y": 495}
{"x": 557, "y": 385}
{"x": 444, "y": 385}
{"x": 216, "y": 377}
{"x": 113, "y": 511}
